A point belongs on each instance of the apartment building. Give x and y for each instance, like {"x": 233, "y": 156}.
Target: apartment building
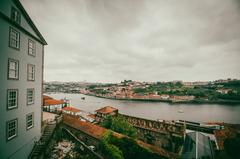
{"x": 21, "y": 78}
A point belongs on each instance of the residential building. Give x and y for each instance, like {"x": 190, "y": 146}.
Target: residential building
{"x": 21, "y": 70}
{"x": 106, "y": 111}
{"x": 223, "y": 91}
{"x": 182, "y": 98}
{"x": 52, "y": 105}
{"x": 72, "y": 111}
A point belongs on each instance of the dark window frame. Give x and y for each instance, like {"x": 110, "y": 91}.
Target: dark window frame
{"x": 7, "y": 128}
{"x": 8, "y": 99}
{"x": 18, "y": 40}
{"x": 28, "y": 128}
{"x": 33, "y": 96}
{"x": 10, "y": 78}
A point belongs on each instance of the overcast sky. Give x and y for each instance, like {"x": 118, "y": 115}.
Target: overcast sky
{"x": 143, "y": 40}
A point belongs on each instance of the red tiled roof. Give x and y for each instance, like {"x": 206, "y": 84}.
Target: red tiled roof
{"x": 71, "y": 109}
{"x": 86, "y": 127}
{"x": 92, "y": 116}
{"x": 106, "y": 110}
{"x": 52, "y": 102}
{"x": 45, "y": 97}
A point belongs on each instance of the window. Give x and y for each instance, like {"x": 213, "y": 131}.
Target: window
{"x": 14, "y": 38}
{"x": 29, "y": 121}
{"x": 13, "y": 68}
{"x": 15, "y": 15}
{"x": 31, "y": 47}
{"x": 31, "y": 72}
{"x": 12, "y": 98}
{"x": 11, "y": 129}
{"x": 30, "y": 96}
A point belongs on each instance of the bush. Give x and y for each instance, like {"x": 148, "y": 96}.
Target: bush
{"x": 231, "y": 146}
{"x": 109, "y": 150}
{"x": 119, "y": 124}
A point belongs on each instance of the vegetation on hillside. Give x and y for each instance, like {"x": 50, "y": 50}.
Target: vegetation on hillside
{"x": 119, "y": 124}
{"x": 124, "y": 148}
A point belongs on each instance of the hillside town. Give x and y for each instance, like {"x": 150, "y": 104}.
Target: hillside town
{"x": 219, "y": 91}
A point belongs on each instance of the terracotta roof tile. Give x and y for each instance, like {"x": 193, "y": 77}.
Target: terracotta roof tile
{"x": 45, "y": 97}
{"x": 52, "y": 102}
{"x": 86, "y": 127}
{"x": 106, "y": 110}
{"x": 71, "y": 109}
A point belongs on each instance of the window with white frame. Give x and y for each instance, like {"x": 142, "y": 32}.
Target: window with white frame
{"x": 29, "y": 121}
{"x": 12, "y": 98}
{"x": 31, "y": 72}
{"x": 13, "y": 68}
{"x": 11, "y": 129}
{"x": 14, "y": 38}
{"x": 30, "y": 96}
{"x": 31, "y": 47}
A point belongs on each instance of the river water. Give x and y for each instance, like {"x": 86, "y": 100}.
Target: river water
{"x": 158, "y": 110}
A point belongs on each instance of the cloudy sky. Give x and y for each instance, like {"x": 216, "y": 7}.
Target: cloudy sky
{"x": 143, "y": 40}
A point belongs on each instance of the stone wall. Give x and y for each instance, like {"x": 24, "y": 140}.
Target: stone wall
{"x": 164, "y": 134}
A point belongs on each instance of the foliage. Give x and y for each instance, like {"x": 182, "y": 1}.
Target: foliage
{"x": 101, "y": 91}
{"x": 127, "y": 147}
{"x": 231, "y": 146}
{"x": 230, "y": 95}
{"x": 111, "y": 151}
{"x": 179, "y": 84}
{"x": 107, "y": 123}
{"x": 92, "y": 86}
{"x": 235, "y": 83}
{"x": 120, "y": 125}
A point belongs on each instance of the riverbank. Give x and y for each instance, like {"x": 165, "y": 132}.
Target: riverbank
{"x": 194, "y": 101}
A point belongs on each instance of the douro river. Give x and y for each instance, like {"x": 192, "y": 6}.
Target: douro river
{"x": 158, "y": 110}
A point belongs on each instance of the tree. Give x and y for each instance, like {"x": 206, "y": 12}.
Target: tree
{"x": 107, "y": 123}
{"x": 120, "y": 125}
{"x": 232, "y": 145}
{"x": 111, "y": 151}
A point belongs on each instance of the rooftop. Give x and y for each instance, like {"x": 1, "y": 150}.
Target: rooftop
{"x": 45, "y": 97}
{"x": 86, "y": 127}
{"x": 71, "y": 109}
{"x": 106, "y": 110}
{"x": 48, "y": 102}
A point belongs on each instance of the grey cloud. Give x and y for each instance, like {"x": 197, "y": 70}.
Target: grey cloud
{"x": 108, "y": 41}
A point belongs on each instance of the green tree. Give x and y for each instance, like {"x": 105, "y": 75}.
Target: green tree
{"x": 109, "y": 150}
{"x": 232, "y": 145}
{"x": 120, "y": 125}
{"x": 107, "y": 123}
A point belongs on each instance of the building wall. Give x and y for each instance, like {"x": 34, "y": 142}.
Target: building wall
{"x": 162, "y": 134}
{"x": 21, "y": 145}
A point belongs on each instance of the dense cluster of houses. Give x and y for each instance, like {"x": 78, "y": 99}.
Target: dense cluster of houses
{"x": 126, "y": 91}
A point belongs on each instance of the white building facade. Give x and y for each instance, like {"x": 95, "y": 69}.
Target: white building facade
{"x": 21, "y": 78}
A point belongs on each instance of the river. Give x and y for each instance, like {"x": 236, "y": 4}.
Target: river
{"x": 158, "y": 110}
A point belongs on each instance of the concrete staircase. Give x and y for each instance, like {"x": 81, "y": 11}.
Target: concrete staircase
{"x": 39, "y": 147}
